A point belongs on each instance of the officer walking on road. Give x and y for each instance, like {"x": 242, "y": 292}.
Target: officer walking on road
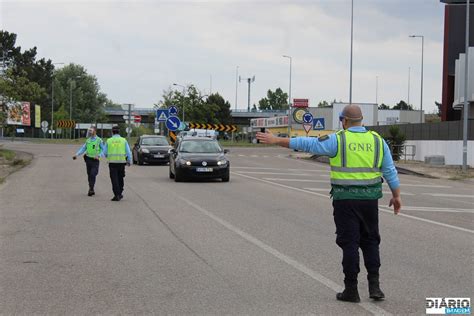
{"x": 358, "y": 160}
{"x": 118, "y": 155}
{"x": 92, "y": 150}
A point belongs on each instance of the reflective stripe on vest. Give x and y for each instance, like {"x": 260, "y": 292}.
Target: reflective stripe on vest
{"x": 358, "y": 160}
{"x": 116, "y": 152}
{"x": 93, "y": 147}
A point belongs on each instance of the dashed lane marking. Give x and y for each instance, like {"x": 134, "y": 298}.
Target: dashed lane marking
{"x": 381, "y": 208}
{"x": 370, "y": 307}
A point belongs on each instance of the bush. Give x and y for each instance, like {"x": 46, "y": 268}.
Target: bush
{"x": 395, "y": 140}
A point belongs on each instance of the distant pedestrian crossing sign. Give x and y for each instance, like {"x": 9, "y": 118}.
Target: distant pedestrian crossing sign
{"x": 318, "y": 123}
{"x": 162, "y": 115}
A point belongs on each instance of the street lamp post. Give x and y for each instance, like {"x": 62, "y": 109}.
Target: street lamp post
{"x": 184, "y": 92}
{"x": 52, "y": 100}
{"x": 422, "y": 56}
{"x": 70, "y": 97}
{"x": 466, "y": 101}
{"x": 377, "y": 90}
{"x": 352, "y": 47}
{"x": 289, "y": 97}
{"x": 236, "y": 85}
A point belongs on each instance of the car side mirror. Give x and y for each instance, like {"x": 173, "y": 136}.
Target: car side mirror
{"x": 171, "y": 151}
{"x": 226, "y": 151}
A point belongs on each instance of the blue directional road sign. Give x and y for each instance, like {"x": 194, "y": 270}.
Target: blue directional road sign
{"x": 173, "y": 123}
{"x": 173, "y": 111}
{"x": 308, "y": 118}
{"x": 162, "y": 115}
{"x": 318, "y": 123}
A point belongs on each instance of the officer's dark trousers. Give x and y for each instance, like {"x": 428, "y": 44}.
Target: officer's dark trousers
{"x": 357, "y": 226}
{"x": 92, "y": 166}
{"x": 117, "y": 173}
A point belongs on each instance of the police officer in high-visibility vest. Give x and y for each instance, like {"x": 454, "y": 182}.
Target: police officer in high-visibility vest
{"x": 118, "y": 155}
{"x": 358, "y": 159}
{"x": 92, "y": 150}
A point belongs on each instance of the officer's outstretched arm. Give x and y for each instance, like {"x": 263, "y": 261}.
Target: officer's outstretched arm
{"x": 269, "y": 138}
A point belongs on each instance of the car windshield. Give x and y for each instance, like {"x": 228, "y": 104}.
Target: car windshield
{"x": 154, "y": 141}
{"x": 195, "y": 146}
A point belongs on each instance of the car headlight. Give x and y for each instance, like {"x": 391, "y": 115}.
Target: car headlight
{"x": 185, "y": 162}
{"x": 222, "y": 162}
{"x": 145, "y": 151}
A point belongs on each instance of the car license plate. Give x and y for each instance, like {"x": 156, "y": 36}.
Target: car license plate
{"x": 159, "y": 156}
{"x": 204, "y": 169}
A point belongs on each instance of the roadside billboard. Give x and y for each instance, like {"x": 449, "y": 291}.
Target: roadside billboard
{"x": 37, "y": 116}
{"x": 18, "y": 113}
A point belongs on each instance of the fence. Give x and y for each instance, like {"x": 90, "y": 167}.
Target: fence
{"x": 452, "y": 130}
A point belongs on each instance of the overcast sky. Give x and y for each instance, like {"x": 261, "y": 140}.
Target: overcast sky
{"x": 137, "y": 49}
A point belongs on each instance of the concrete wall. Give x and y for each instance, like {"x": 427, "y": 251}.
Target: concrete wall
{"x": 451, "y": 150}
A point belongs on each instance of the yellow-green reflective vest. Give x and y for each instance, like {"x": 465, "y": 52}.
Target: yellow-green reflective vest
{"x": 116, "y": 152}
{"x": 359, "y": 159}
{"x": 93, "y": 147}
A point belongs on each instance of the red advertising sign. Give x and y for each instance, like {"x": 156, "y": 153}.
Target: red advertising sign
{"x": 300, "y": 103}
{"x": 18, "y": 113}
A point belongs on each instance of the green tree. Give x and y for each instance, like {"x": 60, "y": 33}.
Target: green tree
{"x": 277, "y": 100}
{"x": 395, "y": 140}
{"x": 438, "y": 108}
{"x": 402, "y": 105}
{"x": 32, "y": 78}
{"x": 383, "y": 106}
{"x": 324, "y": 104}
{"x": 213, "y": 109}
{"x": 88, "y": 102}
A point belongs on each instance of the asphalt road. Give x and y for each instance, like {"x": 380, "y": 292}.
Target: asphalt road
{"x": 263, "y": 243}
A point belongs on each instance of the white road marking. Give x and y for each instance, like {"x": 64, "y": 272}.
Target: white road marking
{"x": 470, "y": 196}
{"x": 437, "y": 209}
{"x": 381, "y": 208}
{"x": 424, "y": 185}
{"x": 370, "y": 307}
{"x": 295, "y": 180}
{"x": 281, "y": 169}
{"x": 329, "y": 189}
{"x": 277, "y": 173}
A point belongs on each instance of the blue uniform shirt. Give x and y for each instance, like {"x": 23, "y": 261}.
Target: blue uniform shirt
{"x": 127, "y": 150}
{"x": 84, "y": 147}
{"x": 328, "y": 147}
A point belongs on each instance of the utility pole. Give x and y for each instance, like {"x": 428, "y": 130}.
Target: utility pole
{"x": 377, "y": 90}
{"x": 466, "y": 94}
{"x": 409, "y": 70}
{"x": 352, "y": 46}
{"x": 236, "y": 85}
{"x": 289, "y": 97}
{"x": 129, "y": 128}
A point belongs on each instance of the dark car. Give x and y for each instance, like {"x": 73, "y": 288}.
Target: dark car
{"x": 198, "y": 157}
{"x": 151, "y": 149}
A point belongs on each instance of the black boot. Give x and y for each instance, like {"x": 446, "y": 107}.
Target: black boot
{"x": 91, "y": 192}
{"x": 374, "y": 287}
{"x": 350, "y": 293}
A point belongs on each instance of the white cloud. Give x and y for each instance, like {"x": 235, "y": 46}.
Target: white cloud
{"x": 137, "y": 49}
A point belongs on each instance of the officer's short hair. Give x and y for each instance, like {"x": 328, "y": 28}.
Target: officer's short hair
{"x": 115, "y": 129}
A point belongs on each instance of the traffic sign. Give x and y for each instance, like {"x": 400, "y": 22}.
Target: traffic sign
{"x": 137, "y": 118}
{"x": 173, "y": 111}
{"x": 216, "y": 127}
{"x": 128, "y": 130}
{"x": 298, "y": 115}
{"x": 308, "y": 118}
{"x": 173, "y": 123}
{"x": 66, "y": 124}
{"x": 318, "y": 123}
{"x": 162, "y": 115}
{"x": 125, "y": 117}
{"x": 44, "y": 124}
{"x": 300, "y": 103}
{"x": 44, "y": 129}
{"x": 307, "y": 127}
